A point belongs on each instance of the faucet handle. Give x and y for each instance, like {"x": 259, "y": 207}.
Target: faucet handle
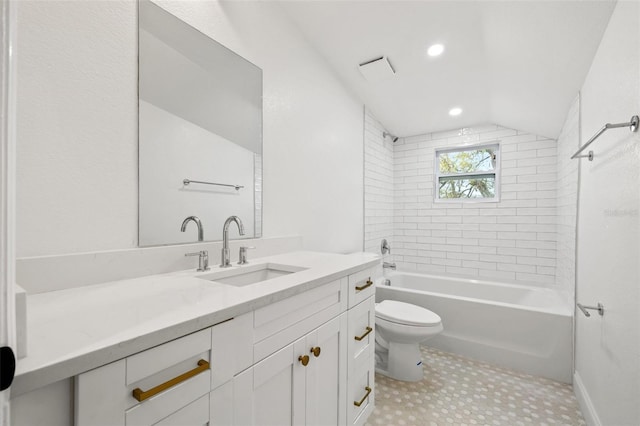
{"x": 203, "y": 260}
{"x": 242, "y": 256}
{"x": 384, "y": 246}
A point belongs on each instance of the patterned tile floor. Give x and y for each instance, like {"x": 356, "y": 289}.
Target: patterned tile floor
{"x": 461, "y": 391}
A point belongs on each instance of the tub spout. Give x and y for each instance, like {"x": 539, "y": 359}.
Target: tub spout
{"x": 389, "y": 265}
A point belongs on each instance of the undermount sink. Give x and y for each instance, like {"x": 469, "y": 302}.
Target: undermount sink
{"x": 251, "y": 274}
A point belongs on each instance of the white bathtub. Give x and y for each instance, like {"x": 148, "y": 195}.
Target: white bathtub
{"x": 528, "y": 329}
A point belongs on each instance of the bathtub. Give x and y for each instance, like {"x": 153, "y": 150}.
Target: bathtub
{"x": 528, "y": 329}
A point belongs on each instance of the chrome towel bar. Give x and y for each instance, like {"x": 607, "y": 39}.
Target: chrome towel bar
{"x": 599, "y": 308}
{"x": 188, "y": 181}
{"x": 632, "y": 125}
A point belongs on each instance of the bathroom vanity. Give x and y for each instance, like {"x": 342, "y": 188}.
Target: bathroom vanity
{"x": 287, "y": 339}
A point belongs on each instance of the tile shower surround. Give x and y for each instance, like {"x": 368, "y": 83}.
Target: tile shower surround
{"x": 378, "y": 186}
{"x": 513, "y": 240}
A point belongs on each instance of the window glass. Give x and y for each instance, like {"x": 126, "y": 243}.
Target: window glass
{"x": 467, "y": 173}
{"x": 476, "y": 160}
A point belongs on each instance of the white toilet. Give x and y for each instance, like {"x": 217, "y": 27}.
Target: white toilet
{"x": 400, "y": 328}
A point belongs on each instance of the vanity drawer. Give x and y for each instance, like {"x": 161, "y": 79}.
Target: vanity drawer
{"x": 105, "y": 396}
{"x": 171, "y": 401}
{"x": 362, "y": 285}
{"x": 182, "y": 371}
{"x": 361, "y": 393}
{"x": 154, "y": 360}
{"x": 280, "y": 323}
{"x": 361, "y": 333}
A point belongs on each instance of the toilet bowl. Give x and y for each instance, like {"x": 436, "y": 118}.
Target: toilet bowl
{"x": 400, "y": 328}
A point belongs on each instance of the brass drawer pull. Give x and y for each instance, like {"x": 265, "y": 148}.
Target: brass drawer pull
{"x": 368, "y": 284}
{"x": 366, "y": 333}
{"x": 304, "y": 359}
{"x": 316, "y": 351}
{"x": 141, "y": 395}
{"x": 366, "y": 395}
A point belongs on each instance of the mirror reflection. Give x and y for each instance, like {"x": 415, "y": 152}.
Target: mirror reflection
{"x": 200, "y": 133}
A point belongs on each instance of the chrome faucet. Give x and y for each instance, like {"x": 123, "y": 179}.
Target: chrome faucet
{"x": 203, "y": 259}
{"x": 198, "y": 224}
{"x": 389, "y": 265}
{"x": 226, "y": 260}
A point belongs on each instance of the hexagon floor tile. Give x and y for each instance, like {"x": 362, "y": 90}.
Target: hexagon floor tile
{"x": 461, "y": 391}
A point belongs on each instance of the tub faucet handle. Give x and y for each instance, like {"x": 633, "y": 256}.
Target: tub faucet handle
{"x": 384, "y": 246}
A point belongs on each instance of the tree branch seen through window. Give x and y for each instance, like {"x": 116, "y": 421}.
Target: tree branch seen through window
{"x": 467, "y": 173}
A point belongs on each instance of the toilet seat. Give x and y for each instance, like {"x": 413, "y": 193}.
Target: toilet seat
{"x": 406, "y": 314}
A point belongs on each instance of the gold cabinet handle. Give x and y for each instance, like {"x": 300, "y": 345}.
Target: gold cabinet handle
{"x": 316, "y": 351}
{"x": 368, "y": 284}
{"x": 366, "y": 395}
{"x": 304, "y": 359}
{"x": 366, "y": 333}
{"x": 141, "y": 395}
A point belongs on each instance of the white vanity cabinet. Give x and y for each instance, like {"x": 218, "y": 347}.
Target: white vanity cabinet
{"x": 301, "y": 361}
{"x": 304, "y": 360}
{"x": 293, "y": 386}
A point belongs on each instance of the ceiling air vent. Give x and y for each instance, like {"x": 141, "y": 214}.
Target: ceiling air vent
{"x": 378, "y": 69}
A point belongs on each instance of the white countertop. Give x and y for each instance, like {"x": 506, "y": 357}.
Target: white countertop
{"x": 75, "y": 330}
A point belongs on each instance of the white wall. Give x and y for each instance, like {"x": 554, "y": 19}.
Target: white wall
{"x": 378, "y": 186}
{"x": 511, "y": 240}
{"x": 77, "y": 126}
{"x": 608, "y": 348}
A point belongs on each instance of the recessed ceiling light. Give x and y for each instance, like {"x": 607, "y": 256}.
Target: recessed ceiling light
{"x": 435, "y": 50}
{"x": 455, "y": 111}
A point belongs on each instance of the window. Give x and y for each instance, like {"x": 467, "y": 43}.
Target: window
{"x": 467, "y": 173}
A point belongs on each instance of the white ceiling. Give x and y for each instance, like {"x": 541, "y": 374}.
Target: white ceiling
{"x": 518, "y": 64}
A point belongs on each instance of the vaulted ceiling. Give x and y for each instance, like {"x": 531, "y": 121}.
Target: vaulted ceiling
{"x": 514, "y": 63}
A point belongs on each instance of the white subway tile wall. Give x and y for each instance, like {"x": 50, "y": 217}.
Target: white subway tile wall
{"x": 512, "y": 240}
{"x": 378, "y": 187}
{"x": 567, "y": 201}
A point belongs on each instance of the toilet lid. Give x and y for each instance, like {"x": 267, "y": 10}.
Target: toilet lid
{"x": 405, "y": 313}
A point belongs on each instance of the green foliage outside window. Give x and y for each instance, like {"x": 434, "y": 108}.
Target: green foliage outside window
{"x": 467, "y": 173}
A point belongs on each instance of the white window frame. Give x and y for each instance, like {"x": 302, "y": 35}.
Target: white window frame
{"x": 436, "y": 181}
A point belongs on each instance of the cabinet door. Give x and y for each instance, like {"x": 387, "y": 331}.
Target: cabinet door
{"x": 277, "y": 394}
{"x": 326, "y": 374}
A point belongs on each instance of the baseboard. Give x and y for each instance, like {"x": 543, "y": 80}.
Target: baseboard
{"x": 588, "y": 410}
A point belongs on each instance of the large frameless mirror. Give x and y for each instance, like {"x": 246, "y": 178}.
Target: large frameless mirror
{"x": 200, "y": 133}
